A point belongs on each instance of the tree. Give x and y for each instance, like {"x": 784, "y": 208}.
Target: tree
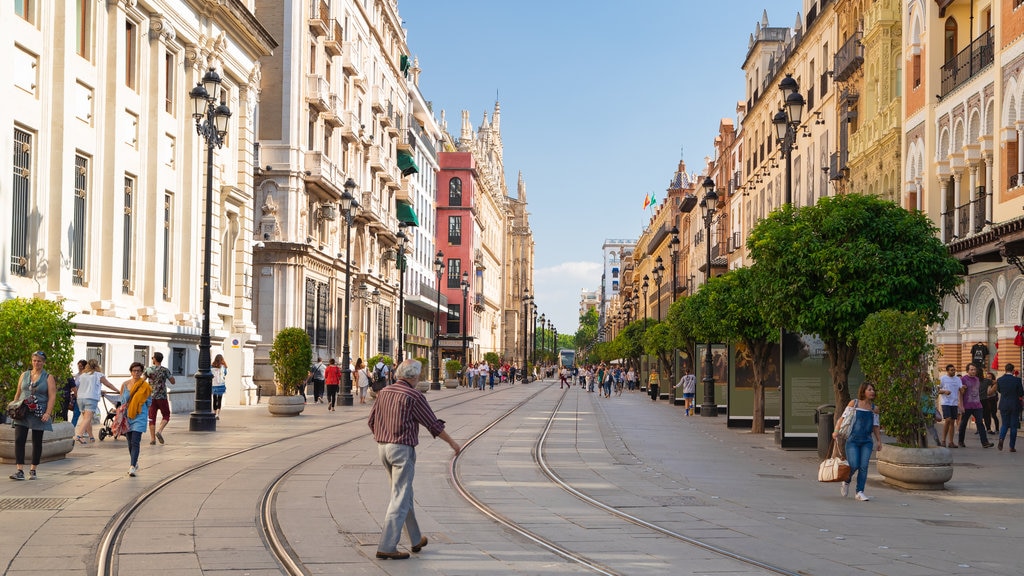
{"x": 28, "y": 325}
{"x": 290, "y": 356}
{"x": 492, "y": 358}
{"x": 829, "y": 266}
{"x": 897, "y": 357}
{"x": 586, "y": 334}
{"x": 728, "y": 306}
{"x": 629, "y": 342}
{"x": 659, "y": 341}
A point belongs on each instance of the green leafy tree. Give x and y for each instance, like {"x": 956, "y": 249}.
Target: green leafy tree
{"x": 897, "y": 357}
{"x": 830, "y": 265}
{"x": 30, "y": 324}
{"x": 682, "y": 329}
{"x": 586, "y": 334}
{"x": 660, "y": 341}
{"x": 492, "y": 358}
{"x": 730, "y": 304}
{"x": 629, "y": 342}
{"x": 290, "y": 356}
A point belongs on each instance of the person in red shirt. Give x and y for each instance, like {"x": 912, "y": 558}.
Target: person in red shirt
{"x": 395, "y": 419}
{"x": 332, "y": 376}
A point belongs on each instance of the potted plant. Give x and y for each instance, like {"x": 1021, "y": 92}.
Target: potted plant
{"x": 27, "y": 325}
{"x": 290, "y": 356}
{"x": 452, "y": 368}
{"x": 897, "y": 356}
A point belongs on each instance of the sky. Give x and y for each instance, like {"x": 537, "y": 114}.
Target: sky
{"x": 600, "y": 99}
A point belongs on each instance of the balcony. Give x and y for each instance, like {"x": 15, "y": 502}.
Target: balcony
{"x": 319, "y": 14}
{"x": 351, "y": 126}
{"x": 377, "y": 159}
{"x": 838, "y": 163}
{"x": 377, "y": 99}
{"x": 334, "y": 115}
{"x": 969, "y": 62}
{"x": 848, "y": 58}
{"x": 334, "y": 43}
{"x": 406, "y": 141}
{"x": 318, "y": 92}
{"x": 319, "y": 168}
{"x": 352, "y": 61}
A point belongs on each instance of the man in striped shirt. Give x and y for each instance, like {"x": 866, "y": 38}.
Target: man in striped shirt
{"x": 397, "y": 413}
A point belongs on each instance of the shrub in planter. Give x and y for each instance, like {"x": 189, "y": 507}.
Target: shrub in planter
{"x": 452, "y": 368}
{"x": 30, "y": 324}
{"x": 897, "y": 357}
{"x": 290, "y": 357}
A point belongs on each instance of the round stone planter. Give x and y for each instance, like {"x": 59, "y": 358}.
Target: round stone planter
{"x": 56, "y": 444}
{"x": 916, "y": 468}
{"x": 286, "y": 405}
{"x": 451, "y": 383}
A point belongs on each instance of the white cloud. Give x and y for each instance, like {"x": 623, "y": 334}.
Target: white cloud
{"x": 558, "y": 290}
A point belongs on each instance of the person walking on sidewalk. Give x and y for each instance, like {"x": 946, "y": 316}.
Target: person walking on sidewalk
{"x": 40, "y": 384}
{"x": 949, "y": 400}
{"x": 990, "y": 402}
{"x": 89, "y": 393}
{"x": 318, "y": 372}
{"x": 689, "y": 385}
{"x": 135, "y": 394}
{"x": 1010, "y": 394}
{"x": 395, "y": 420}
{"x": 219, "y": 367}
{"x": 332, "y": 379}
{"x": 970, "y": 404}
{"x": 860, "y": 445}
{"x": 158, "y": 376}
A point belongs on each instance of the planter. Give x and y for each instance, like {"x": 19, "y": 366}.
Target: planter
{"x": 451, "y": 383}
{"x": 56, "y": 444}
{"x": 286, "y": 405}
{"x": 916, "y": 468}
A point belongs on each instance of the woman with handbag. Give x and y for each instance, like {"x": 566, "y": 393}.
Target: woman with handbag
{"x": 135, "y": 395}
{"x": 37, "y": 391}
{"x": 862, "y": 422}
{"x": 220, "y": 377}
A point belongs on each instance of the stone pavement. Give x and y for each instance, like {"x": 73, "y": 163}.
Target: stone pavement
{"x": 752, "y": 489}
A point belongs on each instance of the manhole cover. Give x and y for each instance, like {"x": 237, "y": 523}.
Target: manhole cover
{"x": 32, "y": 503}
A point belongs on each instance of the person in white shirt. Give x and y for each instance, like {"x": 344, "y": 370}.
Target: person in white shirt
{"x": 949, "y": 400}
{"x": 689, "y": 385}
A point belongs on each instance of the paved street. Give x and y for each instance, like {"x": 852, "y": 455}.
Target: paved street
{"x": 725, "y": 488}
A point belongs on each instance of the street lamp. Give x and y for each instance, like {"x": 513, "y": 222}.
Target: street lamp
{"x": 526, "y": 338}
{"x": 673, "y": 247}
{"x": 349, "y": 207}
{"x": 439, "y": 268}
{"x": 659, "y": 275}
{"x": 212, "y": 125}
{"x": 465, "y": 313}
{"x": 535, "y": 334}
{"x": 786, "y": 121}
{"x": 400, "y": 262}
{"x": 707, "y": 208}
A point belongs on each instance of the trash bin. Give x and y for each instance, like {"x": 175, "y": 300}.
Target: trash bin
{"x": 825, "y": 418}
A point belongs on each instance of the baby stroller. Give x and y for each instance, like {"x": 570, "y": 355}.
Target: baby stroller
{"x": 112, "y": 420}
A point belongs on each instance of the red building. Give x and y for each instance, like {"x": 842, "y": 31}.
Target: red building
{"x": 457, "y": 239}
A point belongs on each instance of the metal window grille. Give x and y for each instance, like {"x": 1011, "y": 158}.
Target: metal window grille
{"x": 127, "y": 256}
{"x": 21, "y": 192}
{"x": 322, "y": 295}
{"x": 78, "y": 228}
{"x": 168, "y": 205}
{"x": 455, "y": 230}
{"x": 384, "y": 330}
{"x": 455, "y": 192}
{"x": 454, "y": 269}
{"x": 177, "y": 361}
{"x": 311, "y": 309}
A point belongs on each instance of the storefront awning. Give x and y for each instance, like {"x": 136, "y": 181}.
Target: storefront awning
{"x": 406, "y": 164}
{"x": 405, "y": 213}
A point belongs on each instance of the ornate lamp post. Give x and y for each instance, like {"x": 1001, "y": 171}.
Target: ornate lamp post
{"x": 435, "y": 384}
{"x": 673, "y": 247}
{"x": 371, "y": 296}
{"x": 707, "y": 208}
{"x": 212, "y": 125}
{"x": 659, "y": 275}
{"x": 542, "y": 320}
{"x": 349, "y": 206}
{"x": 400, "y": 262}
{"x": 465, "y": 313}
{"x": 643, "y": 289}
{"x": 786, "y": 121}
{"x": 526, "y": 337}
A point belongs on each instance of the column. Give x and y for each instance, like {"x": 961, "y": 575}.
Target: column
{"x": 944, "y": 207}
{"x": 971, "y": 199}
{"x": 989, "y": 185}
{"x": 957, "y": 177}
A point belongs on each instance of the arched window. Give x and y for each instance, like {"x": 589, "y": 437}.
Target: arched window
{"x": 949, "y": 40}
{"x": 455, "y": 192}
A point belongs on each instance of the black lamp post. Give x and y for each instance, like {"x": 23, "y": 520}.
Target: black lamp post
{"x": 465, "y": 313}
{"x": 526, "y": 337}
{"x": 659, "y": 275}
{"x": 349, "y": 206}
{"x": 707, "y": 208}
{"x": 535, "y": 358}
{"x": 554, "y": 342}
{"x": 212, "y": 125}
{"x": 786, "y": 121}
{"x": 439, "y": 268}
{"x": 673, "y": 247}
{"x": 643, "y": 290}
{"x": 400, "y": 262}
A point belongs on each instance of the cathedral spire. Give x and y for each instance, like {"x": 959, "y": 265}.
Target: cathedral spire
{"x": 467, "y": 128}
{"x": 521, "y": 188}
{"x": 496, "y": 118}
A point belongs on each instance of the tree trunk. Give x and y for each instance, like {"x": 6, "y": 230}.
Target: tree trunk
{"x": 841, "y": 357}
{"x": 760, "y": 354}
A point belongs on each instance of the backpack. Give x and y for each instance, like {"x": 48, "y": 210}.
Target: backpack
{"x": 378, "y": 378}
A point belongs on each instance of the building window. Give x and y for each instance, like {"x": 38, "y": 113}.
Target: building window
{"x": 127, "y": 255}
{"x": 131, "y": 54}
{"x": 24, "y": 8}
{"x": 455, "y": 192}
{"x": 322, "y": 300}
{"x": 22, "y": 193}
{"x": 455, "y": 230}
{"x": 916, "y": 70}
{"x": 384, "y": 330}
{"x": 454, "y": 270}
{"x": 166, "y": 276}
{"x": 141, "y": 355}
{"x": 177, "y": 361}
{"x": 78, "y": 232}
{"x": 169, "y": 88}
{"x": 311, "y": 309}
{"x": 83, "y": 28}
{"x": 454, "y": 319}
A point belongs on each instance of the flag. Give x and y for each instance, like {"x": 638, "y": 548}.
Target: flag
{"x": 647, "y": 201}
{"x": 653, "y": 200}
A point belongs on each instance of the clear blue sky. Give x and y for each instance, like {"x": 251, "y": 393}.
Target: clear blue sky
{"x": 599, "y": 100}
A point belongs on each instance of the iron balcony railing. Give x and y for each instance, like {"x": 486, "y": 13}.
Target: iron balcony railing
{"x": 848, "y": 58}
{"x": 969, "y": 62}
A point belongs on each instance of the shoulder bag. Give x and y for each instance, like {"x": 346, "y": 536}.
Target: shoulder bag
{"x": 833, "y": 468}
{"x": 849, "y": 415}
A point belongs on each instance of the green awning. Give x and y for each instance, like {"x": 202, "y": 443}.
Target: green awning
{"x": 406, "y": 163}
{"x": 405, "y": 213}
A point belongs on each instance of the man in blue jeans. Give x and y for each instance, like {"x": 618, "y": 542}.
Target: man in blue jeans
{"x": 397, "y": 414}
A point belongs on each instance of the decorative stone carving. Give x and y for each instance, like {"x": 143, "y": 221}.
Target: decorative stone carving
{"x": 160, "y": 29}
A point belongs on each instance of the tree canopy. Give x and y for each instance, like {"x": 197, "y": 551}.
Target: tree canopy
{"x": 829, "y": 266}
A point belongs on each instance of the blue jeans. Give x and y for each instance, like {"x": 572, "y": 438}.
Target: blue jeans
{"x": 134, "y": 441}
{"x": 1010, "y": 423}
{"x": 400, "y": 464}
{"x": 858, "y": 454}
